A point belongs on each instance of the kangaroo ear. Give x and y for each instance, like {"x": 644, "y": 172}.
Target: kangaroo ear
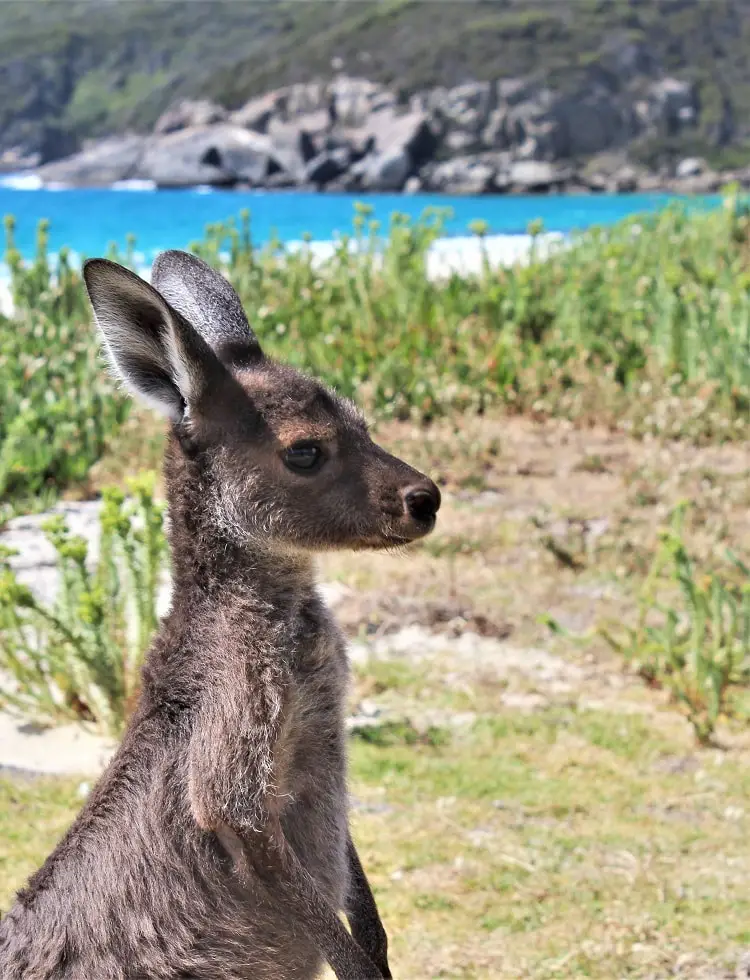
{"x": 208, "y": 301}
{"x": 154, "y": 349}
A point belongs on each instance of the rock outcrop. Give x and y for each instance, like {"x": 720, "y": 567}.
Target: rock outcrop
{"x": 515, "y": 135}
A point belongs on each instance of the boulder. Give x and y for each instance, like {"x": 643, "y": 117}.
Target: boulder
{"x": 529, "y": 176}
{"x": 258, "y": 113}
{"x": 460, "y": 141}
{"x": 514, "y": 91}
{"x": 589, "y": 123}
{"x": 705, "y": 182}
{"x": 413, "y": 132}
{"x": 463, "y": 175}
{"x": 400, "y": 145}
{"x": 327, "y": 166}
{"x": 550, "y": 126}
{"x": 396, "y": 146}
{"x": 15, "y": 159}
{"x": 219, "y": 155}
{"x": 293, "y": 144}
{"x": 496, "y": 134}
{"x": 351, "y": 100}
{"x": 387, "y": 171}
{"x": 672, "y": 105}
{"x": 624, "y": 181}
{"x": 465, "y": 108}
{"x": 690, "y": 167}
{"x": 188, "y": 114}
{"x": 304, "y": 98}
{"x": 104, "y": 163}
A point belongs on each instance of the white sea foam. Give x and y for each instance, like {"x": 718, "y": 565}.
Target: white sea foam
{"x": 463, "y": 255}
{"x": 21, "y": 181}
{"x": 133, "y": 185}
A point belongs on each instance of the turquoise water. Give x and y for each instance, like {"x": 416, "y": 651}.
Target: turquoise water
{"x": 88, "y": 220}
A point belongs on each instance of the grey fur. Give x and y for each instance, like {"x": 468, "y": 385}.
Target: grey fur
{"x": 205, "y": 299}
{"x": 216, "y": 845}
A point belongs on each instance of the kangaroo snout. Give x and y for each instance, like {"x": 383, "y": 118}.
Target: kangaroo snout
{"x": 422, "y": 502}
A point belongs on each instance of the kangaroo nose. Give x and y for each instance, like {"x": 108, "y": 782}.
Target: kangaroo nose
{"x": 423, "y": 502}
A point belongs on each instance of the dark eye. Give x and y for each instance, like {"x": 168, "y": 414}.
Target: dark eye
{"x": 303, "y": 458}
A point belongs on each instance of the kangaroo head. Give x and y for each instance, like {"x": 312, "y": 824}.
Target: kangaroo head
{"x": 284, "y": 461}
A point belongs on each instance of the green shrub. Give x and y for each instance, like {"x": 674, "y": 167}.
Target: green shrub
{"x": 645, "y": 325}
{"x": 695, "y": 641}
{"x": 58, "y": 405}
{"x": 81, "y": 658}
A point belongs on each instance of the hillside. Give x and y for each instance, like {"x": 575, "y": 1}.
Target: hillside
{"x": 86, "y": 68}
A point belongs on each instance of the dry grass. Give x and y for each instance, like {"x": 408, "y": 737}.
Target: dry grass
{"x": 552, "y": 817}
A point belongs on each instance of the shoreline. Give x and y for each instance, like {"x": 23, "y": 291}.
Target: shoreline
{"x": 459, "y": 254}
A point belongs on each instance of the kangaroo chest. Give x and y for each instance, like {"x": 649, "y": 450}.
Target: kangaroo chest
{"x": 310, "y": 759}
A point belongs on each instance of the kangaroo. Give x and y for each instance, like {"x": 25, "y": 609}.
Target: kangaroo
{"x": 216, "y": 844}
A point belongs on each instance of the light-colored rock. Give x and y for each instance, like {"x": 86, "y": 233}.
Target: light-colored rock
{"x": 690, "y": 167}
{"x": 413, "y": 132}
{"x": 672, "y": 104}
{"x": 387, "y": 171}
{"x": 257, "y": 113}
{"x": 303, "y": 98}
{"x": 536, "y": 175}
{"x": 188, "y": 114}
{"x": 223, "y": 155}
{"x": 353, "y": 99}
{"x": 294, "y": 143}
{"x": 706, "y": 182}
{"x": 327, "y": 166}
{"x": 496, "y": 133}
{"x": 624, "y": 180}
{"x": 117, "y": 158}
{"x": 464, "y": 175}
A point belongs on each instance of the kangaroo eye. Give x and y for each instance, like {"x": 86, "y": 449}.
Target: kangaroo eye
{"x": 303, "y": 458}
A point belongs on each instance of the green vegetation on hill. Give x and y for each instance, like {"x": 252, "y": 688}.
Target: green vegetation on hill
{"x": 88, "y": 67}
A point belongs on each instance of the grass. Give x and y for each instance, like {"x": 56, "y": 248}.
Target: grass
{"x": 585, "y": 834}
{"x": 518, "y": 820}
{"x": 567, "y": 843}
{"x": 34, "y": 813}
{"x": 645, "y": 326}
{"x": 525, "y": 804}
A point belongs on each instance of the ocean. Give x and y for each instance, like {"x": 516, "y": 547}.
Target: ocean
{"x": 88, "y": 220}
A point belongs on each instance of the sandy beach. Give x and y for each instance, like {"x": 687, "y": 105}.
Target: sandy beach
{"x": 462, "y": 255}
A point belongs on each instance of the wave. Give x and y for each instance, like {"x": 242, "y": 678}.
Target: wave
{"x": 133, "y": 185}
{"x": 458, "y": 255}
{"x": 21, "y": 182}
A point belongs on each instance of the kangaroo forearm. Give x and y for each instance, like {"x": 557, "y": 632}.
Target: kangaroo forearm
{"x": 268, "y": 857}
{"x": 362, "y": 913}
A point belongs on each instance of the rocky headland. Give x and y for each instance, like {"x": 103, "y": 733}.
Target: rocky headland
{"x": 351, "y": 134}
